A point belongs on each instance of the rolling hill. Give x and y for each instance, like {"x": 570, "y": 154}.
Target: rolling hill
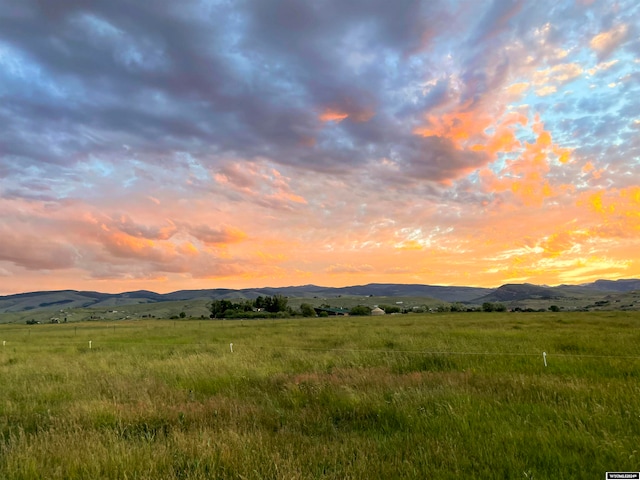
{"x": 509, "y": 293}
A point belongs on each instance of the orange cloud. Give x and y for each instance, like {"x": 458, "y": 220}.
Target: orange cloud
{"x": 292, "y": 197}
{"x": 410, "y": 245}
{"x": 605, "y": 42}
{"x": 477, "y": 131}
{"x": 549, "y": 79}
{"x": 558, "y": 74}
{"x": 330, "y": 115}
{"x": 517, "y": 89}
{"x": 217, "y": 235}
{"x": 561, "y": 243}
{"x": 189, "y": 249}
{"x": 124, "y": 245}
{"x": 546, "y": 90}
{"x": 595, "y": 201}
{"x": 589, "y": 168}
{"x": 623, "y": 204}
{"x": 459, "y": 127}
{"x": 347, "y": 268}
{"x": 260, "y": 182}
{"x": 525, "y": 176}
{"x": 355, "y": 113}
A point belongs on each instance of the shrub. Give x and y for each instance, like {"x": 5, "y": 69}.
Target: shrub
{"x": 360, "y": 310}
{"x": 390, "y": 309}
{"x": 307, "y": 310}
{"x": 493, "y": 307}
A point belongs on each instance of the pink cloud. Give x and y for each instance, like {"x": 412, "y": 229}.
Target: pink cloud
{"x": 217, "y": 235}
{"x": 604, "y": 43}
{"x": 36, "y": 252}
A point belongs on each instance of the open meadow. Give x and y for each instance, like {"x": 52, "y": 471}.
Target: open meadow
{"x": 464, "y": 395}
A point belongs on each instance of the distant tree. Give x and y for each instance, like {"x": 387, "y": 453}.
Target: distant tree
{"x": 246, "y": 306}
{"x": 182, "y": 314}
{"x": 230, "y": 313}
{"x": 390, "y": 309}
{"x": 282, "y": 302}
{"x": 458, "y": 307}
{"x": 219, "y": 307}
{"x": 307, "y": 310}
{"x": 554, "y": 308}
{"x": 493, "y": 307}
{"x": 275, "y": 304}
{"x": 360, "y": 310}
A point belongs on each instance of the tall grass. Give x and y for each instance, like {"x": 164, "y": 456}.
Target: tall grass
{"x": 413, "y": 396}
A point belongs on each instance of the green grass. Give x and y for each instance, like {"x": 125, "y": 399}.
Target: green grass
{"x": 409, "y": 396}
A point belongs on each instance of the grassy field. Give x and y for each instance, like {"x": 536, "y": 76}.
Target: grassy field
{"x": 410, "y": 396}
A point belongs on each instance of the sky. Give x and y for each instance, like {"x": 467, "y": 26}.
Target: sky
{"x": 166, "y": 145}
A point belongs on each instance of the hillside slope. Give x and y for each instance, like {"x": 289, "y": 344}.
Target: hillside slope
{"x": 69, "y": 299}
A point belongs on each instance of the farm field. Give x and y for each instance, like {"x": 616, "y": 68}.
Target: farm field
{"x": 464, "y": 395}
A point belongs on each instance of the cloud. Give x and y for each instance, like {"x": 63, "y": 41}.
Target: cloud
{"x": 259, "y": 181}
{"x": 126, "y": 225}
{"x": 602, "y": 66}
{"x": 217, "y": 235}
{"x": 35, "y": 252}
{"x": 549, "y": 80}
{"x": 604, "y": 43}
{"x": 181, "y": 143}
{"x": 346, "y": 268}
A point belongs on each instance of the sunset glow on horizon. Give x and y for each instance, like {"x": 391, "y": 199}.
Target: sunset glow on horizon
{"x": 166, "y": 145}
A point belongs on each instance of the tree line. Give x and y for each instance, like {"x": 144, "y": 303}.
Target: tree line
{"x": 260, "y": 307}
{"x": 277, "y": 306}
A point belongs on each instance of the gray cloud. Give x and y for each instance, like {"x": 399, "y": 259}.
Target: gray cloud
{"x": 111, "y": 82}
{"x": 249, "y": 78}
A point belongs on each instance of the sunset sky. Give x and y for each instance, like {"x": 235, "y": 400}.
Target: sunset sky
{"x": 168, "y": 145}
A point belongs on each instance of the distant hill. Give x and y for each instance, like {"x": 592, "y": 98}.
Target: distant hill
{"x": 443, "y": 293}
{"x": 69, "y": 299}
{"x": 526, "y": 291}
{"x": 614, "y": 285}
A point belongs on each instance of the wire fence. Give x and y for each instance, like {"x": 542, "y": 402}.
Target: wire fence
{"x": 239, "y": 348}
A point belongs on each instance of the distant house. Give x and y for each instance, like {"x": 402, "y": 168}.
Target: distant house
{"x": 332, "y": 311}
{"x": 377, "y": 311}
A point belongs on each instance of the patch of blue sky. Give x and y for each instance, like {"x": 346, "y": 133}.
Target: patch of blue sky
{"x": 473, "y": 177}
{"x": 571, "y": 104}
{"x": 193, "y": 166}
{"x": 499, "y": 164}
{"x": 95, "y": 166}
{"x": 21, "y": 77}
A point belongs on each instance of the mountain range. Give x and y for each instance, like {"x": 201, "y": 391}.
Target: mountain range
{"x": 509, "y": 293}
